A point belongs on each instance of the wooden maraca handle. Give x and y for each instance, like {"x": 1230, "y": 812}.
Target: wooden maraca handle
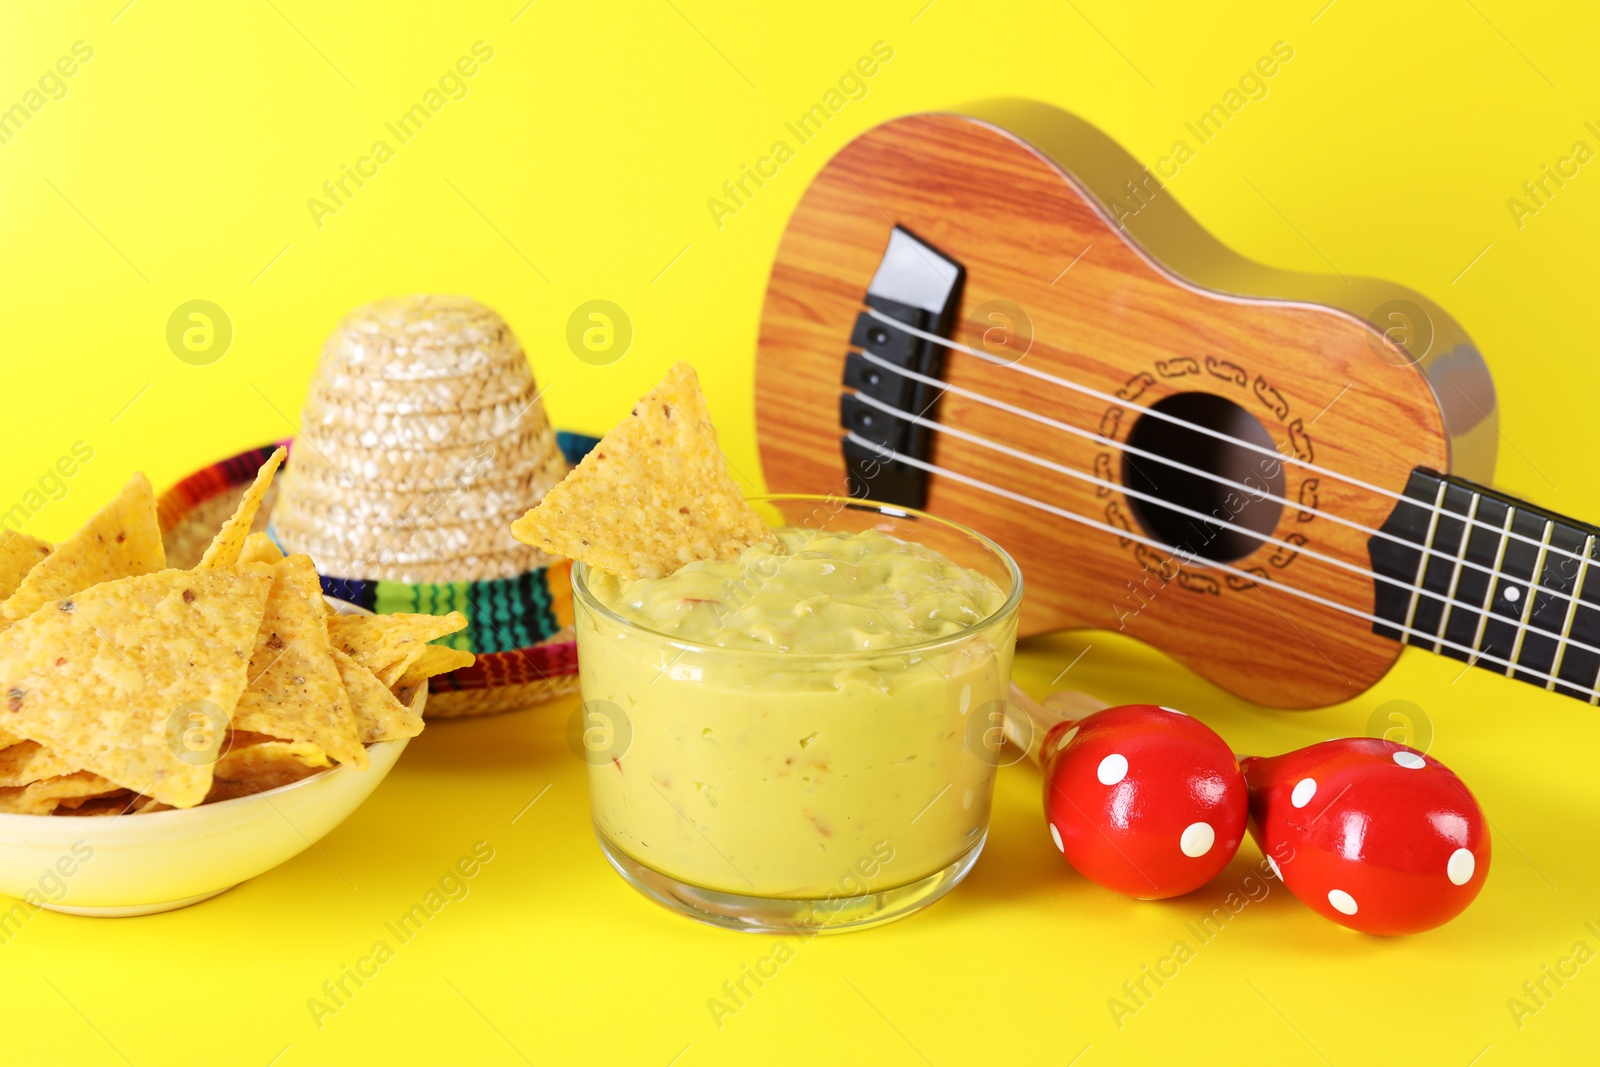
{"x": 1058, "y": 707}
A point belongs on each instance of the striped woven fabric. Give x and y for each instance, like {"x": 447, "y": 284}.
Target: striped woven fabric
{"x": 502, "y": 613}
{"x": 517, "y": 667}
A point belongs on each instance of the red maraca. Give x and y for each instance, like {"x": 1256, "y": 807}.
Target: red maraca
{"x": 1369, "y": 833}
{"x": 1143, "y": 799}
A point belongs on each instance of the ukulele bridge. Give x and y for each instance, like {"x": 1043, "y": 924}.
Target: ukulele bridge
{"x": 920, "y": 286}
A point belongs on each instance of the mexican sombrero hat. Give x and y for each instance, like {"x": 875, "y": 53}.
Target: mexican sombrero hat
{"x": 422, "y": 438}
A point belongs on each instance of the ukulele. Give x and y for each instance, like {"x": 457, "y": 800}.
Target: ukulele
{"x": 1277, "y": 478}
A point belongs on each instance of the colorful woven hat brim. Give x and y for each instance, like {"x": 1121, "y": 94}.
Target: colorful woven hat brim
{"x": 519, "y": 627}
{"x": 503, "y": 614}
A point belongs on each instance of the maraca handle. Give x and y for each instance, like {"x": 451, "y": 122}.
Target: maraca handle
{"x": 1061, "y": 706}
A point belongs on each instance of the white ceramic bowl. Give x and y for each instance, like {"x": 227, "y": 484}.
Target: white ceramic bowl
{"x": 142, "y": 864}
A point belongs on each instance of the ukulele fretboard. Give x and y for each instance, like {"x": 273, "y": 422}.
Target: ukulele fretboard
{"x": 1490, "y": 580}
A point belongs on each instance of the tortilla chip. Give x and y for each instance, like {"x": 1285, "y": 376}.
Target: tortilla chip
{"x": 388, "y": 645}
{"x": 108, "y": 679}
{"x": 294, "y": 691}
{"x": 654, "y": 494}
{"x": 434, "y": 659}
{"x": 379, "y": 715}
{"x": 18, "y": 555}
{"x": 122, "y": 540}
{"x": 28, "y": 762}
{"x": 226, "y": 546}
{"x": 41, "y": 798}
{"x": 122, "y": 802}
{"x": 259, "y": 548}
{"x": 74, "y": 802}
{"x": 255, "y": 763}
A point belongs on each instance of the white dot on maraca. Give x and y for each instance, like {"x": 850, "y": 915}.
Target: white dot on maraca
{"x": 1197, "y": 839}
{"x": 1274, "y": 865}
{"x": 1462, "y": 864}
{"x": 1512, "y": 593}
{"x": 1112, "y": 769}
{"x": 1055, "y": 835}
{"x": 1410, "y": 760}
{"x": 1304, "y": 790}
{"x": 1342, "y": 902}
{"x": 1174, "y": 711}
{"x": 1066, "y": 739}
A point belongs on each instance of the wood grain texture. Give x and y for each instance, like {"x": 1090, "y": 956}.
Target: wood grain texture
{"x": 1120, "y": 323}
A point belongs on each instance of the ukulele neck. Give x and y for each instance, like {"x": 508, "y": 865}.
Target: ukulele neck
{"x": 1493, "y": 581}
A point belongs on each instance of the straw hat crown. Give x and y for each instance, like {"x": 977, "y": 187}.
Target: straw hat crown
{"x": 422, "y": 438}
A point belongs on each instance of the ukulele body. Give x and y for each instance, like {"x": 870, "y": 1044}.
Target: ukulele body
{"x": 1064, "y": 237}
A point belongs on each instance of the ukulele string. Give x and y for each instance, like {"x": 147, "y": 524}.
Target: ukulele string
{"x": 884, "y": 452}
{"x": 1073, "y": 472}
{"x": 1254, "y": 491}
{"x": 1350, "y": 479}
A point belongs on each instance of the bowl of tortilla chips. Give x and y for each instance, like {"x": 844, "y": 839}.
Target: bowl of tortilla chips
{"x": 168, "y": 733}
{"x": 142, "y": 863}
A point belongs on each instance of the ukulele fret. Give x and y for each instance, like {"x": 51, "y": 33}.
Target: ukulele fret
{"x": 1569, "y": 616}
{"x": 1504, "y": 629}
{"x": 1533, "y": 594}
{"x": 1579, "y": 669}
{"x": 1553, "y": 616}
{"x": 1488, "y": 583}
{"x": 1445, "y": 544}
{"x": 1396, "y": 557}
{"x": 1455, "y": 571}
{"x": 1425, "y": 557}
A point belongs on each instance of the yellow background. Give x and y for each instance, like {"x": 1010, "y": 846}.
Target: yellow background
{"x": 177, "y": 167}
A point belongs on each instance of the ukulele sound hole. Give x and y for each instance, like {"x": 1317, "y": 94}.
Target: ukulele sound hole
{"x": 1239, "y": 497}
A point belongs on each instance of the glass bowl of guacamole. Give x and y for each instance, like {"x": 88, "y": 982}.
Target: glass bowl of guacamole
{"x": 800, "y": 739}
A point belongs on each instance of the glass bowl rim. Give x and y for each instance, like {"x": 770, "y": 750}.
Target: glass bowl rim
{"x": 1009, "y": 608}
